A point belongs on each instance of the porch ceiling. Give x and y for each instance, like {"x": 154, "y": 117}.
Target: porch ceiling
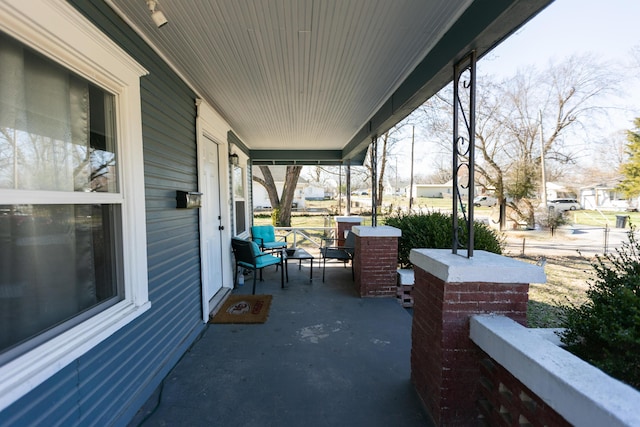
{"x": 313, "y": 80}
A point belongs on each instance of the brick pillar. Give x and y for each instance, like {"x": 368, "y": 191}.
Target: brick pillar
{"x": 448, "y": 290}
{"x": 344, "y": 223}
{"x": 376, "y": 261}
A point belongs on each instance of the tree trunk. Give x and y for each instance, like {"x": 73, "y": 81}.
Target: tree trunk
{"x": 290, "y": 183}
{"x": 383, "y": 166}
{"x": 269, "y": 185}
{"x": 281, "y": 205}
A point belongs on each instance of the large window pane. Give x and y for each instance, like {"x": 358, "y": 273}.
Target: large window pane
{"x": 57, "y": 130}
{"x": 240, "y": 211}
{"x": 238, "y": 183}
{"x": 57, "y": 261}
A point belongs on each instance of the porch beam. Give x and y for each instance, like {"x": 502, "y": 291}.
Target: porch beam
{"x": 300, "y": 157}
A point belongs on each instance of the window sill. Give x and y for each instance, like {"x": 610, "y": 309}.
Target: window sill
{"x": 33, "y": 368}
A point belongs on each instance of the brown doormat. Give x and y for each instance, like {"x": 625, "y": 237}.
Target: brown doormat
{"x": 243, "y": 309}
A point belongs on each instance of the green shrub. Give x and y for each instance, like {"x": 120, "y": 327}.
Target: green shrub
{"x": 605, "y": 330}
{"x": 435, "y": 230}
{"x": 275, "y": 214}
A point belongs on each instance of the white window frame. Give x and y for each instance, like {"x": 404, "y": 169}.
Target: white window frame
{"x": 61, "y": 33}
{"x": 237, "y": 198}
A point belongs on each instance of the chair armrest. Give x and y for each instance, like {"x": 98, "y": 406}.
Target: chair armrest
{"x": 334, "y": 246}
{"x": 264, "y": 254}
{"x": 326, "y": 240}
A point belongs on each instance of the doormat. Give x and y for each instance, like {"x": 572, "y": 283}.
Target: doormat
{"x": 243, "y": 309}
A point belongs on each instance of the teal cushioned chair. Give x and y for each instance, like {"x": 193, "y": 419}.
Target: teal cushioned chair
{"x": 265, "y": 236}
{"x": 248, "y": 255}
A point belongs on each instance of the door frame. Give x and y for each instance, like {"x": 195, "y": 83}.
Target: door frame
{"x": 210, "y": 125}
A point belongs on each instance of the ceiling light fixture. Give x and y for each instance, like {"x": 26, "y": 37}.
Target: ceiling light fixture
{"x": 158, "y": 17}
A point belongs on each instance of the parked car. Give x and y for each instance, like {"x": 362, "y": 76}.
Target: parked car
{"x": 485, "y": 201}
{"x": 564, "y": 204}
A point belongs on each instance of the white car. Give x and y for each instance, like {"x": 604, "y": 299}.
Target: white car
{"x": 485, "y": 201}
{"x": 564, "y": 205}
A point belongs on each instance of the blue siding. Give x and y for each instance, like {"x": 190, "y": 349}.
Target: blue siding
{"x": 107, "y": 385}
{"x": 47, "y": 408}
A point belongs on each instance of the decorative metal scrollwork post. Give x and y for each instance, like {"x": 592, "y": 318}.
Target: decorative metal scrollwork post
{"x": 464, "y": 123}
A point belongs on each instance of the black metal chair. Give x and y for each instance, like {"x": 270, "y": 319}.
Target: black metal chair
{"x": 248, "y": 255}
{"x": 340, "y": 253}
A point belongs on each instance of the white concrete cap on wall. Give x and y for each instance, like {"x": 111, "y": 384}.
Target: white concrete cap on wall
{"x": 580, "y": 392}
{"x": 483, "y": 267}
{"x": 380, "y": 231}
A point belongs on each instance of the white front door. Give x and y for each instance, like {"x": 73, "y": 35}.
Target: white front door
{"x": 211, "y": 223}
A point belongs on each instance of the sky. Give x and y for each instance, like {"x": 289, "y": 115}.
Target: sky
{"x": 607, "y": 28}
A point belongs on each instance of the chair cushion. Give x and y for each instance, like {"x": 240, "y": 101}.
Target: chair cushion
{"x": 265, "y": 232}
{"x": 255, "y": 249}
{"x": 266, "y": 260}
{"x": 262, "y": 261}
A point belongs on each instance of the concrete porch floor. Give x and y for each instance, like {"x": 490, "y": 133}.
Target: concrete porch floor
{"x": 324, "y": 357}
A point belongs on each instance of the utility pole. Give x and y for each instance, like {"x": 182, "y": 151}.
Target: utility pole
{"x": 544, "y": 174}
{"x": 413, "y": 133}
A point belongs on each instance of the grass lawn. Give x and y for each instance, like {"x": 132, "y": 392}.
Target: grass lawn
{"x": 587, "y": 217}
{"x": 567, "y": 281}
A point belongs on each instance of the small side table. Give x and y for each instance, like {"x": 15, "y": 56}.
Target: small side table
{"x": 299, "y": 254}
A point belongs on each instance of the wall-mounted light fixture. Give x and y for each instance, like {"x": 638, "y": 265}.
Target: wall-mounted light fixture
{"x": 234, "y": 159}
{"x": 158, "y": 17}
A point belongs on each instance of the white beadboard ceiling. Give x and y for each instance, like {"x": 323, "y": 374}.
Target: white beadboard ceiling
{"x": 299, "y": 74}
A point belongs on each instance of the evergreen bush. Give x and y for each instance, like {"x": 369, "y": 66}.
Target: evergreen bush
{"x": 605, "y": 330}
{"x": 434, "y": 230}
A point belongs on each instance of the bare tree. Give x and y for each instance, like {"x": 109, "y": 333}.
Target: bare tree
{"x": 283, "y": 205}
{"x": 387, "y": 144}
{"x": 525, "y": 117}
{"x": 606, "y": 159}
{"x": 536, "y": 114}
{"x": 316, "y": 174}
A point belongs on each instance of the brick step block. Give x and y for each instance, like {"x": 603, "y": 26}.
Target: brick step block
{"x": 405, "y": 287}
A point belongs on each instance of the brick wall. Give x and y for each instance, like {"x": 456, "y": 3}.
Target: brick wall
{"x": 342, "y": 227}
{"x": 444, "y": 360}
{"x": 505, "y": 401}
{"x": 376, "y": 266}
